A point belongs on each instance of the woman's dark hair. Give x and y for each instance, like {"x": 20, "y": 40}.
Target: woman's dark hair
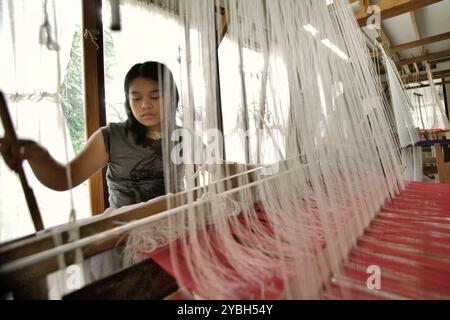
{"x": 157, "y": 72}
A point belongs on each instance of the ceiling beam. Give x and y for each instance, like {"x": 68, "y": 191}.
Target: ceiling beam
{"x": 440, "y": 60}
{"x": 414, "y": 79}
{"x": 413, "y": 61}
{"x": 391, "y": 8}
{"x": 424, "y": 77}
{"x": 412, "y": 15}
{"x": 427, "y": 57}
{"x": 427, "y": 85}
{"x": 406, "y": 69}
{"x": 424, "y": 41}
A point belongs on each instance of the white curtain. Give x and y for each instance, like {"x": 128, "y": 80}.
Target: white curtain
{"x": 29, "y": 79}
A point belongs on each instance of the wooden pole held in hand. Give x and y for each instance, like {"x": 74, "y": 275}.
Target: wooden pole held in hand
{"x": 10, "y": 134}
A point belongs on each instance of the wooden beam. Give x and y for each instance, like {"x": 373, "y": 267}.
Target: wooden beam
{"x": 406, "y": 69}
{"x": 444, "y": 91}
{"x": 424, "y": 77}
{"x": 433, "y": 58}
{"x": 412, "y": 15}
{"x": 30, "y": 245}
{"x": 18, "y": 249}
{"x": 94, "y": 91}
{"x": 426, "y": 57}
{"x": 221, "y": 31}
{"x": 416, "y": 67}
{"x": 392, "y": 8}
{"x": 427, "y": 85}
{"x": 440, "y": 60}
{"x": 418, "y": 43}
{"x": 443, "y": 166}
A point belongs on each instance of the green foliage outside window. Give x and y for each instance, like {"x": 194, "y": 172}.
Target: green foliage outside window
{"x": 72, "y": 86}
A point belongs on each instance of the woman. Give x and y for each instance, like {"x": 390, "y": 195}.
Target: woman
{"x": 132, "y": 150}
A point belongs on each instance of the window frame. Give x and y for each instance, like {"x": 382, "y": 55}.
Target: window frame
{"x": 94, "y": 94}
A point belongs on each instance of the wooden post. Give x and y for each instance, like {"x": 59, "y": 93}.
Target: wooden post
{"x": 443, "y": 167}
{"x": 94, "y": 91}
{"x": 10, "y": 134}
{"x": 444, "y": 90}
{"x": 220, "y": 34}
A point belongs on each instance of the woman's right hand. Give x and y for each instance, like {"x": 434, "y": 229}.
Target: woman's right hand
{"x": 52, "y": 173}
{"x": 28, "y": 150}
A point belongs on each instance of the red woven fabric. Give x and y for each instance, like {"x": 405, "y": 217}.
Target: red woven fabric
{"x": 409, "y": 240}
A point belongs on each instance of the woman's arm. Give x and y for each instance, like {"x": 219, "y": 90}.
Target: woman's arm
{"x": 50, "y": 172}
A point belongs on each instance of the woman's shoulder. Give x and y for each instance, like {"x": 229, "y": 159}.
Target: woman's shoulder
{"x": 114, "y": 133}
{"x": 117, "y": 125}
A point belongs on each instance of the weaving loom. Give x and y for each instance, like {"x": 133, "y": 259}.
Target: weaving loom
{"x": 407, "y": 242}
{"x": 335, "y": 203}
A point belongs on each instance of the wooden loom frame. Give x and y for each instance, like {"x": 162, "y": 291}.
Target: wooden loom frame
{"x": 23, "y": 282}
{"x": 40, "y": 242}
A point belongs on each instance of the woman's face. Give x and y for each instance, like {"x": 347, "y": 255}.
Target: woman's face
{"x": 146, "y": 102}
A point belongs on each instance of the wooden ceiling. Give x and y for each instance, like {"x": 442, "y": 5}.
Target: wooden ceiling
{"x": 412, "y": 32}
